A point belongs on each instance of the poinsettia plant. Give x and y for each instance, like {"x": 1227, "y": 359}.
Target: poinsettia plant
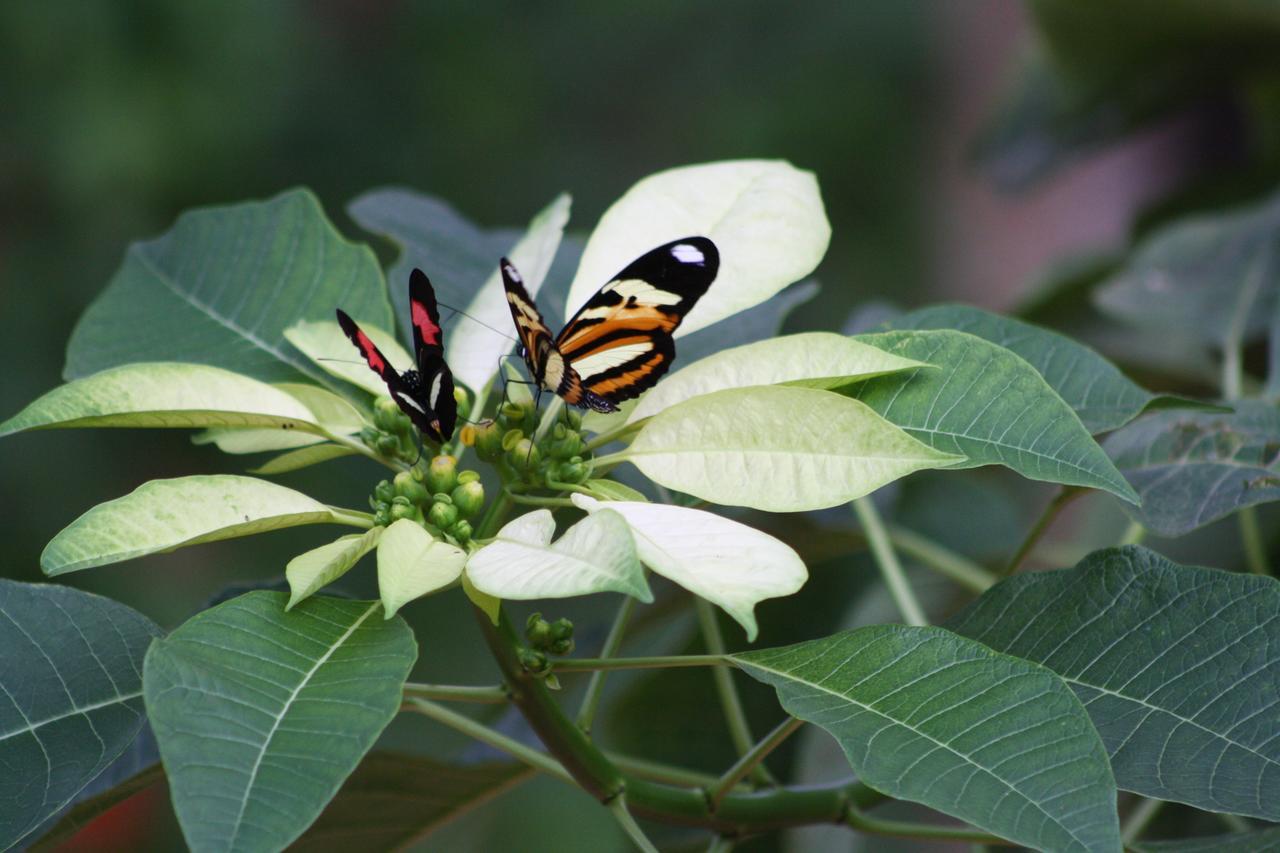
{"x": 1043, "y": 707}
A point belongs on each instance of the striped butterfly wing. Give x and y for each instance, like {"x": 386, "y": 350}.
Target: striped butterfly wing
{"x": 535, "y": 336}
{"x": 620, "y": 342}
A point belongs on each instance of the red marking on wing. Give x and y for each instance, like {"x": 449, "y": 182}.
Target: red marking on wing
{"x": 371, "y": 353}
{"x": 422, "y": 321}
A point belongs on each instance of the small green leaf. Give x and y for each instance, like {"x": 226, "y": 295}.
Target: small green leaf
{"x": 777, "y": 448}
{"x": 765, "y": 216}
{"x": 818, "y": 359}
{"x": 163, "y": 394}
{"x": 597, "y": 554}
{"x": 727, "y": 563}
{"x": 989, "y": 405}
{"x": 70, "y": 667}
{"x": 1102, "y": 396}
{"x": 221, "y": 286}
{"x": 163, "y": 515}
{"x": 612, "y": 490}
{"x": 308, "y": 573}
{"x": 927, "y": 716}
{"x": 1192, "y": 468}
{"x": 331, "y": 413}
{"x": 412, "y": 564}
{"x": 261, "y": 714}
{"x": 1177, "y": 666}
{"x": 325, "y": 344}
{"x": 303, "y": 457}
{"x": 488, "y": 605}
{"x": 394, "y": 800}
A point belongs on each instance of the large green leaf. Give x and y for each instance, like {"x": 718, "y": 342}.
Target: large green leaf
{"x": 754, "y": 324}
{"x": 777, "y": 448}
{"x": 1178, "y": 667}
{"x": 1102, "y": 396}
{"x": 818, "y": 359}
{"x": 597, "y": 554}
{"x": 1192, "y": 468}
{"x": 1263, "y": 841}
{"x": 163, "y": 515}
{"x": 164, "y": 394}
{"x": 221, "y": 287}
{"x": 393, "y": 800}
{"x": 1206, "y": 276}
{"x": 70, "y": 696}
{"x": 989, "y": 405}
{"x": 261, "y": 714}
{"x": 928, "y": 716}
{"x": 332, "y": 414}
{"x": 765, "y": 216}
{"x": 724, "y": 561}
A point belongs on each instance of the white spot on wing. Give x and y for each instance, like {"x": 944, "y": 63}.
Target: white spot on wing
{"x": 434, "y": 396}
{"x": 599, "y": 362}
{"x": 643, "y": 292}
{"x": 686, "y": 253}
{"x": 553, "y": 373}
{"x": 408, "y": 401}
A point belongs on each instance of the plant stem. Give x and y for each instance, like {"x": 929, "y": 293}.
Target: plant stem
{"x": 1255, "y": 553}
{"x": 364, "y": 450}
{"x": 590, "y": 702}
{"x": 1138, "y": 819}
{"x": 614, "y": 434}
{"x": 1046, "y": 518}
{"x": 734, "y": 715}
{"x": 887, "y": 560}
{"x": 946, "y": 562}
{"x": 352, "y": 517}
{"x": 864, "y": 822}
{"x": 659, "y": 772}
{"x": 1133, "y": 534}
{"x": 654, "y": 662}
{"x": 535, "y": 759}
{"x": 1233, "y": 822}
{"x": 494, "y": 516}
{"x": 752, "y": 759}
{"x": 548, "y": 418}
{"x": 533, "y": 500}
{"x": 456, "y": 693}
{"x": 628, "y": 823}
{"x": 721, "y": 844}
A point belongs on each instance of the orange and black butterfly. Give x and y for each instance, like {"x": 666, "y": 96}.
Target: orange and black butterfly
{"x": 425, "y": 394}
{"x": 619, "y": 343}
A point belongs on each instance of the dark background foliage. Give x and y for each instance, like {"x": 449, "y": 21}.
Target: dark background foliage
{"x": 115, "y": 116}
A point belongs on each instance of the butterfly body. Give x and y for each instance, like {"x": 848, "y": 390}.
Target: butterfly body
{"x": 425, "y": 394}
{"x": 620, "y": 342}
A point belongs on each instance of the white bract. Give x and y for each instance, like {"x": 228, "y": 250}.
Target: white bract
{"x": 597, "y": 554}
{"x": 411, "y": 564}
{"x": 307, "y": 573}
{"x": 727, "y": 563}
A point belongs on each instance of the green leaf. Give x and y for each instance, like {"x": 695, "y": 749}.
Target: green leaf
{"x": 777, "y": 448}
{"x": 325, "y": 344}
{"x": 221, "y": 286}
{"x": 487, "y": 604}
{"x": 818, "y": 359}
{"x": 163, "y": 515}
{"x": 332, "y": 414}
{"x": 411, "y": 564}
{"x": 1102, "y": 397}
{"x": 308, "y": 573}
{"x": 1177, "y": 666}
{"x": 1192, "y": 468}
{"x": 163, "y": 394}
{"x": 597, "y": 554}
{"x": 989, "y": 405}
{"x": 261, "y": 714}
{"x": 765, "y": 216}
{"x": 727, "y": 563}
{"x": 754, "y": 324}
{"x": 1203, "y": 276}
{"x": 393, "y": 800}
{"x": 612, "y": 490}
{"x": 80, "y": 815}
{"x": 301, "y": 458}
{"x": 1262, "y": 841}
{"x": 927, "y": 716}
{"x": 70, "y": 675}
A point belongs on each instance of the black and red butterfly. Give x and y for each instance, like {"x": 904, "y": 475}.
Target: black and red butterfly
{"x": 425, "y": 394}
{"x": 620, "y": 342}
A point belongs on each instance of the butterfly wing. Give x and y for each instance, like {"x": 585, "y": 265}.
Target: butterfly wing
{"x": 620, "y": 343}
{"x": 428, "y": 347}
{"x": 424, "y": 314}
{"x": 535, "y": 337}
{"x": 369, "y": 351}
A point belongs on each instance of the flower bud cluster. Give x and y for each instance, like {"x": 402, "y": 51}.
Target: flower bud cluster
{"x": 507, "y": 442}
{"x": 433, "y": 493}
{"x": 555, "y": 638}
{"x": 393, "y": 435}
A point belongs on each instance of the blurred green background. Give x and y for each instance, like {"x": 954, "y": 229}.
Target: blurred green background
{"x": 116, "y": 116}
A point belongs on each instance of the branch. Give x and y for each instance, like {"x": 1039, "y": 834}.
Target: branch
{"x": 590, "y": 702}
{"x": 655, "y": 662}
{"x": 734, "y": 715}
{"x": 887, "y": 560}
{"x": 456, "y": 693}
{"x": 752, "y": 759}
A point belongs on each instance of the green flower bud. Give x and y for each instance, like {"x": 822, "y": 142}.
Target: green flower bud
{"x": 511, "y": 414}
{"x": 574, "y": 471}
{"x": 561, "y": 647}
{"x": 464, "y": 402}
{"x": 369, "y": 435}
{"x": 461, "y": 530}
{"x": 382, "y": 517}
{"x": 468, "y": 477}
{"x": 442, "y": 475}
{"x": 574, "y": 416}
{"x": 534, "y": 661}
{"x": 384, "y": 491}
{"x": 524, "y": 456}
{"x": 511, "y": 439}
{"x": 468, "y": 498}
{"x": 538, "y": 631}
{"x": 387, "y": 415}
{"x": 442, "y": 515}
{"x": 566, "y": 447}
{"x": 487, "y": 440}
{"x": 406, "y": 485}
{"x": 561, "y": 629}
{"x": 387, "y": 444}
{"x": 402, "y": 507}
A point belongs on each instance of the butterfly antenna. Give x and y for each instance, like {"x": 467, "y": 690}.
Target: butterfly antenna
{"x": 342, "y": 360}
{"x": 536, "y": 400}
{"x": 459, "y": 311}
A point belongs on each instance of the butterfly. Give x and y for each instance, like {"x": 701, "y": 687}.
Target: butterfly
{"x": 425, "y": 394}
{"x": 620, "y": 342}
